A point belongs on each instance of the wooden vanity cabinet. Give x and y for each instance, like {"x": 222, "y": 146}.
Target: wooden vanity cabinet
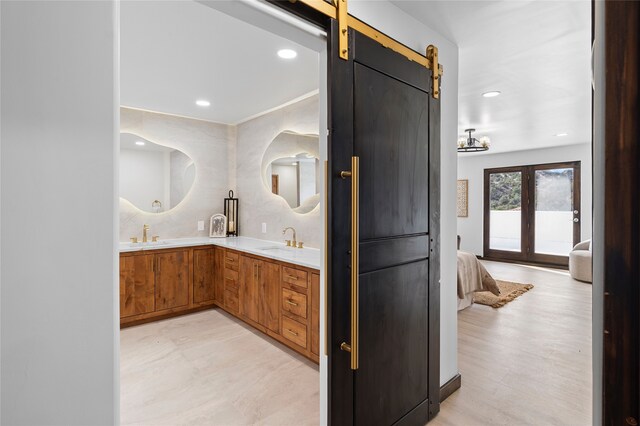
{"x": 137, "y": 285}
{"x": 259, "y": 292}
{"x": 159, "y": 283}
{"x": 231, "y": 296}
{"x": 300, "y": 304}
{"x": 172, "y": 279}
{"x": 280, "y": 299}
{"x": 315, "y": 314}
{"x": 208, "y": 277}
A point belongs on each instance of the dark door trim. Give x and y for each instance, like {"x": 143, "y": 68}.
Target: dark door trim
{"x": 527, "y": 252}
{"x": 621, "y": 347}
{"x": 490, "y": 253}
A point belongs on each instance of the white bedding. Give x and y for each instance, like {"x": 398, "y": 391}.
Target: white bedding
{"x": 472, "y": 277}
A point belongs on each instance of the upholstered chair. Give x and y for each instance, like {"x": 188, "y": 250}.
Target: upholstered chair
{"x": 580, "y": 262}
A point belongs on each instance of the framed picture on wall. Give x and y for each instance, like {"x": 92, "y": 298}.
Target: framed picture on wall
{"x": 462, "y": 198}
{"x": 218, "y": 226}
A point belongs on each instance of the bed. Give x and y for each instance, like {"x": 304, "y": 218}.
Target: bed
{"x": 472, "y": 277}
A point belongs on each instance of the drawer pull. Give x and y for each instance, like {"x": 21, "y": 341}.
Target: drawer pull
{"x": 292, "y": 332}
{"x": 291, "y": 302}
{"x": 291, "y": 277}
{"x": 230, "y": 260}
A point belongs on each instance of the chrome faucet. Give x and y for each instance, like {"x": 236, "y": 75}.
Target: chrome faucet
{"x": 284, "y": 231}
{"x": 145, "y": 228}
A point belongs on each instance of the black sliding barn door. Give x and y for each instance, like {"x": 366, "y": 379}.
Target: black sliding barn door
{"x": 384, "y": 167}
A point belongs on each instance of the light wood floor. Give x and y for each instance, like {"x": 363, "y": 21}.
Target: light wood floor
{"x": 529, "y": 362}
{"x": 209, "y": 368}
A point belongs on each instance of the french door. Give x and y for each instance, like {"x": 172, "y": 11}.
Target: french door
{"x": 532, "y": 213}
{"x": 383, "y": 237}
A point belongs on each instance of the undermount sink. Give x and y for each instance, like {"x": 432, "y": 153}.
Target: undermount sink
{"x": 275, "y": 248}
{"x": 148, "y": 243}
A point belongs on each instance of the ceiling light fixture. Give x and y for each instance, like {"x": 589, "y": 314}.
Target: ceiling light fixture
{"x": 203, "y": 103}
{"x": 140, "y": 143}
{"x": 287, "y": 53}
{"x": 471, "y": 144}
{"x": 562, "y": 134}
{"x": 492, "y": 94}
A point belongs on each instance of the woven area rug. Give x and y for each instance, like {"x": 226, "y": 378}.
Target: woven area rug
{"x": 508, "y": 292}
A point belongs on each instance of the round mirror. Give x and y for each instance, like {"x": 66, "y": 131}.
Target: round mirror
{"x": 154, "y": 178}
{"x": 291, "y": 170}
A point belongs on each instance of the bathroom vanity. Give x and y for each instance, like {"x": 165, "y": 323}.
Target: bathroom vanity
{"x": 274, "y": 288}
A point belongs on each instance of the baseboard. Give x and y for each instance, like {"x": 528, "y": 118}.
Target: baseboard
{"x": 524, "y": 262}
{"x": 450, "y": 387}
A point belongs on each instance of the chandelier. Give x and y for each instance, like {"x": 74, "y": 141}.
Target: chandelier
{"x": 471, "y": 144}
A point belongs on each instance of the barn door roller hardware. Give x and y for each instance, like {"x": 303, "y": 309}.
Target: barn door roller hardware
{"x": 337, "y": 10}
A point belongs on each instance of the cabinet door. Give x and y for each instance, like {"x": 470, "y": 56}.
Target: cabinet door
{"x": 218, "y": 274}
{"x": 249, "y": 288}
{"x": 136, "y": 285}
{"x": 203, "y": 275}
{"x": 315, "y": 314}
{"x": 269, "y": 276}
{"x": 172, "y": 279}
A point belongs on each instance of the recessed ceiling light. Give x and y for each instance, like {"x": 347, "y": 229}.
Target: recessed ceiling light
{"x": 287, "y": 53}
{"x": 492, "y": 94}
{"x": 294, "y": 164}
{"x": 140, "y": 143}
{"x": 203, "y": 103}
{"x": 562, "y": 134}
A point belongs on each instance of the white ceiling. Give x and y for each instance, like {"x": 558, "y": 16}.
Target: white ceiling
{"x": 537, "y": 53}
{"x": 175, "y": 52}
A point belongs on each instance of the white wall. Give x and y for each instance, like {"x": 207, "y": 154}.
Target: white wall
{"x": 58, "y": 299}
{"x": 472, "y": 167}
{"x": 404, "y": 28}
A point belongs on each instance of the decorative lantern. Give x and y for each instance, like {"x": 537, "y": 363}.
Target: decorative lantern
{"x": 231, "y": 212}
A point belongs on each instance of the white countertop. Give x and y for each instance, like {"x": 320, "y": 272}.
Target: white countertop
{"x": 308, "y": 257}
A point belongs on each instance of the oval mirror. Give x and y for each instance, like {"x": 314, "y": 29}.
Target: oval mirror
{"x": 291, "y": 170}
{"x": 153, "y": 177}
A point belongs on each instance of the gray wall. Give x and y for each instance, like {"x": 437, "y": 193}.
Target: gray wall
{"x": 59, "y": 324}
{"x": 598, "y": 211}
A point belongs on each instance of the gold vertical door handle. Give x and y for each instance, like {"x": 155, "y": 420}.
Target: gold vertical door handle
{"x": 352, "y": 348}
{"x": 326, "y": 258}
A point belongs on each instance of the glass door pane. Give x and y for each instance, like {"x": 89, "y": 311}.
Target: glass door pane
{"x": 554, "y": 211}
{"x": 505, "y": 210}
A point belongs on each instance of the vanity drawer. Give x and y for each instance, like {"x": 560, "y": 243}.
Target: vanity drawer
{"x": 231, "y": 301}
{"x": 231, "y": 285}
{"x": 232, "y": 260}
{"x": 294, "y": 302}
{"x": 230, "y": 274}
{"x": 294, "y": 276}
{"x": 294, "y": 331}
